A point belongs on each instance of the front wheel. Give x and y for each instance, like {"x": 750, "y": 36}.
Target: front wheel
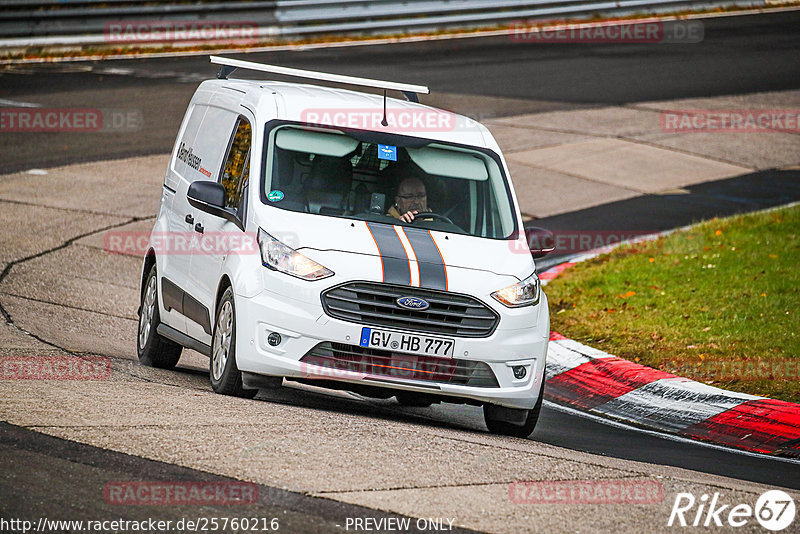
{"x": 498, "y": 426}
{"x": 226, "y": 378}
{"x": 153, "y": 349}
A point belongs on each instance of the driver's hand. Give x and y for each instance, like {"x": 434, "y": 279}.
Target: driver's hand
{"x": 408, "y": 216}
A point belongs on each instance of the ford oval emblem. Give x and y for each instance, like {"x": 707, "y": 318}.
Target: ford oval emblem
{"x": 413, "y": 303}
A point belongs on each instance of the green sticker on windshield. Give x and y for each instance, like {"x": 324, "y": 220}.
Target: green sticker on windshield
{"x": 275, "y": 195}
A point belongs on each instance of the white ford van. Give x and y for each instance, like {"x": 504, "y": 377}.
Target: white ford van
{"x": 346, "y": 240}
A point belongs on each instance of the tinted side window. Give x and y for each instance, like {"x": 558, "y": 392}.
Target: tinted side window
{"x": 236, "y": 170}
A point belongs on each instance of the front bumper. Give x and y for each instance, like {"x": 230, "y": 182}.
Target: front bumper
{"x": 302, "y": 326}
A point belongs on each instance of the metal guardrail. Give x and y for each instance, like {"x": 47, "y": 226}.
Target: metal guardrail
{"x": 31, "y": 22}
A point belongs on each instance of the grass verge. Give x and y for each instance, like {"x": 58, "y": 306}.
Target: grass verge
{"x": 717, "y": 303}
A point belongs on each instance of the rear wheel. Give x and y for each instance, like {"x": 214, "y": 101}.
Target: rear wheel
{"x": 153, "y": 349}
{"x": 226, "y": 378}
{"x": 506, "y": 428}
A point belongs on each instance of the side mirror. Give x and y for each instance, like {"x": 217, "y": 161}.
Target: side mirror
{"x": 540, "y": 241}
{"x": 205, "y": 194}
{"x": 209, "y": 197}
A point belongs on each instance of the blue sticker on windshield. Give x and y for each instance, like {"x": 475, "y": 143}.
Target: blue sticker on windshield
{"x": 275, "y": 195}
{"x": 387, "y": 152}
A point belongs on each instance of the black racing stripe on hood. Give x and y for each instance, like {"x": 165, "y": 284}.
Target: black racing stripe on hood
{"x": 432, "y": 271}
{"x": 393, "y": 256}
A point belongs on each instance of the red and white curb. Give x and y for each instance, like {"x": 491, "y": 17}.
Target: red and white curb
{"x": 599, "y": 383}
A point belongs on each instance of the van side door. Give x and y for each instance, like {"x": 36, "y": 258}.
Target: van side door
{"x": 174, "y": 228}
{"x": 212, "y": 146}
{"x": 226, "y": 237}
{"x": 201, "y": 160}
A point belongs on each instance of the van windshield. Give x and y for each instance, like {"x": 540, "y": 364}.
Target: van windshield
{"x": 331, "y": 173}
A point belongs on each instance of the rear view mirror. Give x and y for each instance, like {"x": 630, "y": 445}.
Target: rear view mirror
{"x": 541, "y": 242}
{"x": 205, "y": 194}
{"x": 209, "y": 197}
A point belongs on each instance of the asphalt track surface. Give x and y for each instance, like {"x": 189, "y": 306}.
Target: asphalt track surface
{"x": 65, "y": 475}
{"x": 738, "y": 55}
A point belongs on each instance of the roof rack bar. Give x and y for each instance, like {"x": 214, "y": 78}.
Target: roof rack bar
{"x": 229, "y": 65}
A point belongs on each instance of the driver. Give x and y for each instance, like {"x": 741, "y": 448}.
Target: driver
{"x": 411, "y": 199}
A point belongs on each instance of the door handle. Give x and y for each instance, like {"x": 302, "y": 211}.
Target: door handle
{"x": 198, "y": 228}
{"x": 189, "y": 219}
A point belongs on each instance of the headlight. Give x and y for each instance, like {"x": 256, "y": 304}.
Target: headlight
{"x": 525, "y": 293}
{"x": 279, "y": 257}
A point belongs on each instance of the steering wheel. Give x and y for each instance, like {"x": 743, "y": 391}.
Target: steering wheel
{"x": 431, "y": 215}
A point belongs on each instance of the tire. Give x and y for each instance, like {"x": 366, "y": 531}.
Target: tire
{"x": 153, "y": 349}
{"x": 510, "y": 429}
{"x": 226, "y": 379}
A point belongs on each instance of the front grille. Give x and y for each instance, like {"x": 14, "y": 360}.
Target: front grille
{"x": 342, "y": 357}
{"x": 375, "y": 304}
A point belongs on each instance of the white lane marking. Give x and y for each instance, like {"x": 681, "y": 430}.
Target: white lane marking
{"x": 699, "y": 388}
{"x": 560, "y": 359}
{"x": 672, "y": 404}
{"x": 36, "y": 172}
{"x": 117, "y": 71}
{"x": 5, "y": 103}
{"x": 580, "y": 348}
{"x": 662, "y": 435}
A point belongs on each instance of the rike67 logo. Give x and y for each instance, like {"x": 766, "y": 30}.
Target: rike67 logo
{"x": 774, "y": 510}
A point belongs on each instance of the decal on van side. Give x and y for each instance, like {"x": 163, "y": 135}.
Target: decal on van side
{"x": 186, "y": 156}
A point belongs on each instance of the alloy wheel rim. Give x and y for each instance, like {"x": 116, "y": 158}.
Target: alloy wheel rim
{"x": 148, "y": 310}
{"x": 222, "y": 340}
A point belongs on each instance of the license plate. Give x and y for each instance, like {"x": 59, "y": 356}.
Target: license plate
{"x": 408, "y": 343}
